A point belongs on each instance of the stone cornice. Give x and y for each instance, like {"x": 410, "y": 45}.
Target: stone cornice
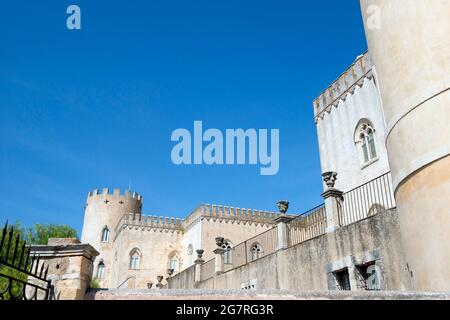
{"x": 71, "y": 250}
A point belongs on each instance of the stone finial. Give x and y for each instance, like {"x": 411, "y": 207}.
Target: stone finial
{"x": 220, "y": 241}
{"x": 283, "y": 206}
{"x": 200, "y": 253}
{"x": 149, "y": 285}
{"x": 170, "y": 272}
{"x": 330, "y": 178}
{"x": 159, "y": 285}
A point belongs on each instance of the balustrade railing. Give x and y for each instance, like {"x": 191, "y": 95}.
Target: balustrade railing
{"x": 367, "y": 200}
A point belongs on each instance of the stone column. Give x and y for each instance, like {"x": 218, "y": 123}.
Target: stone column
{"x": 333, "y": 201}
{"x": 219, "y": 259}
{"x": 282, "y": 228}
{"x": 409, "y": 46}
{"x": 198, "y": 266}
{"x": 71, "y": 265}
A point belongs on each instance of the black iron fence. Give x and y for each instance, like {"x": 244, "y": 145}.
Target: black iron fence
{"x": 22, "y": 276}
{"x": 367, "y": 200}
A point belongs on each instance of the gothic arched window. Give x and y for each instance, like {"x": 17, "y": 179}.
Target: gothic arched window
{"x": 135, "y": 259}
{"x": 105, "y": 234}
{"x": 101, "y": 270}
{"x": 365, "y": 141}
{"x": 228, "y": 255}
{"x": 256, "y": 251}
{"x": 174, "y": 262}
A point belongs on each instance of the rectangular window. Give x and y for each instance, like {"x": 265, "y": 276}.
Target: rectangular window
{"x": 342, "y": 279}
{"x": 369, "y": 276}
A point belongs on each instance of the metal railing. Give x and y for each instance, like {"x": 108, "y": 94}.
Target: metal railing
{"x": 254, "y": 248}
{"x": 367, "y": 200}
{"x": 311, "y": 224}
{"x": 22, "y": 276}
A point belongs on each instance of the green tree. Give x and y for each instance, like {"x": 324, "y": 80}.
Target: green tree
{"x": 39, "y": 234}
{"x": 7, "y": 256}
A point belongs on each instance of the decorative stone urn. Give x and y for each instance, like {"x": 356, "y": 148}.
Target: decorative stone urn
{"x": 200, "y": 253}
{"x": 149, "y": 285}
{"x": 220, "y": 241}
{"x": 170, "y": 272}
{"x": 330, "y": 178}
{"x": 159, "y": 285}
{"x": 283, "y": 206}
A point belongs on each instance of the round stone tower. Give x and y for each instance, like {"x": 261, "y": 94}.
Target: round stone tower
{"x": 102, "y": 213}
{"x": 409, "y": 45}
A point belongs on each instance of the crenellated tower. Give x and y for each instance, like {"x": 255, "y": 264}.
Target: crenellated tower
{"x": 102, "y": 213}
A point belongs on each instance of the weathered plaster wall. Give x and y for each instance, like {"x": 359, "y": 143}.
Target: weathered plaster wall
{"x": 308, "y": 266}
{"x": 70, "y": 266}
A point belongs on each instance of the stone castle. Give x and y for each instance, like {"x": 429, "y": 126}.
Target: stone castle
{"x": 383, "y": 138}
{"x": 135, "y": 248}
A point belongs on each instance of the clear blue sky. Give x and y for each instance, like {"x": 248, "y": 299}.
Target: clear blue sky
{"x": 95, "y": 108}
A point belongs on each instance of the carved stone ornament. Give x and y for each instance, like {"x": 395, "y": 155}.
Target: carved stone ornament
{"x": 283, "y": 206}
{"x": 330, "y": 178}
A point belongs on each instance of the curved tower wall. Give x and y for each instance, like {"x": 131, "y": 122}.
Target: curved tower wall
{"x": 409, "y": 45}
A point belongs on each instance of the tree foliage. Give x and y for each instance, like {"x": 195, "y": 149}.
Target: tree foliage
{"x": 36, "y": 235}
{"x": 40, "y": 234}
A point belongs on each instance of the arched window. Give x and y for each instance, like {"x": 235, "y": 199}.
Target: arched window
{"x": 105, "y": 234}
{"x": 365, "y": 141}
{"x": 174, "y": 262}
{"x": 101, "y": 270}
{"x": 135, "y": 259}
{"x": 228, "y": 255}
{"x": 256, "y": 251}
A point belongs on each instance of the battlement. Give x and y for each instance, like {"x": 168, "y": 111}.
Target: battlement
{"x": 148, "y": 222}
{"x": 203, "y": 211}
{"x": 230, "y": 213}
{"x": 116, "y": 193}
{"x": 346, "y": 83}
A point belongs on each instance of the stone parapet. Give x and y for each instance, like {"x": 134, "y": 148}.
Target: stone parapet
{"x": 200, "y": 294}
{"x": 204, "y": 211}
{"x": 345, "y": 84}
{"x": 70, "y": 266}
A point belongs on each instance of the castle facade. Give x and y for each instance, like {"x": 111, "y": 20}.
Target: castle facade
{"x": 135, "y": 249}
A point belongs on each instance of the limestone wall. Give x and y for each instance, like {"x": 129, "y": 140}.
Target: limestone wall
{"x": 70, "y": 266}
{"x": 221, "y": 295}
{"x": 155, "y": 245}
{"x": 309, "y": 265}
